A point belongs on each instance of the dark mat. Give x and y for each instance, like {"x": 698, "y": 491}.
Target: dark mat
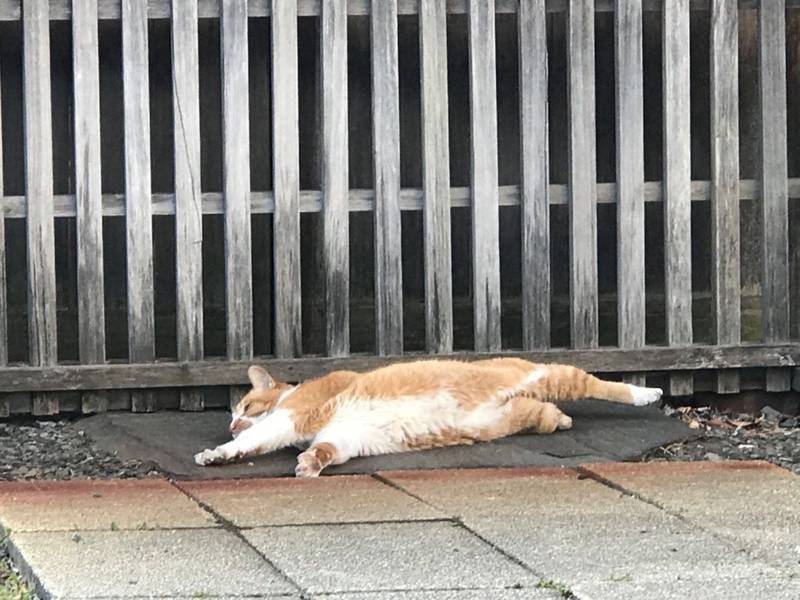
{"x": 602, "y": 432}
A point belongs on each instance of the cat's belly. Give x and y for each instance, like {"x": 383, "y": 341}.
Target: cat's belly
{"x": 397, "y": 425}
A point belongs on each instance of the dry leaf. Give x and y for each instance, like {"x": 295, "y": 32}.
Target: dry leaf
{"x": 694, "y": 424}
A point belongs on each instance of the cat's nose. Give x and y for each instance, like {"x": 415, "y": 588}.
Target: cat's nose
{"x": 238, "y": 425}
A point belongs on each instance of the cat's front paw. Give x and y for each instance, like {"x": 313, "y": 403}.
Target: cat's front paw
{"x": 308, "y": 465}
{"x": 209, "y": 457}
{"x": 642, "y": 396}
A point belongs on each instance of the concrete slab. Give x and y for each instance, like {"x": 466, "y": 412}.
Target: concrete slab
{"x": 386, "y": 557}
{"x": 754, "y": 504}
{"x": 482, "y": 594}
{"x": 88, "y": 505}
{"x": 354, "y": 498}
{"x": 602, "y": 431}
{"x": 166, "y": 563}
{"x": 593, "y": 539}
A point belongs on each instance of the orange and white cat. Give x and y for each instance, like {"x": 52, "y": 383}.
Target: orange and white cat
{"x": 408, "y": 406}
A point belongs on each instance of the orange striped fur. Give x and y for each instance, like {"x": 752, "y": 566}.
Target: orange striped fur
{"x": 408, "y": 406}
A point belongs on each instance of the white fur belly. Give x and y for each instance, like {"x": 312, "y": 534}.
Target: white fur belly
{"x": 370, "y": 427}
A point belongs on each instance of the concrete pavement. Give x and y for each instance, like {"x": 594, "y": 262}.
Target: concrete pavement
{"x": 598, "y": 531}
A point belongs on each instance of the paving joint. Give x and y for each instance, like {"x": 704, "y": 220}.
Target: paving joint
{"x": 730, "y": 542}
{"x": 230, "y": 527}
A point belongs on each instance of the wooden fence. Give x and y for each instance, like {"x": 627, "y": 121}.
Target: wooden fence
{"x": 41, "y": 385}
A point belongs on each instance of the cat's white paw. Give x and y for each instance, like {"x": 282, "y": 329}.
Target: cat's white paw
{"x": 307, "y": 466}
{"x": 642, "y": 396}
{"x": 208, "y": 457}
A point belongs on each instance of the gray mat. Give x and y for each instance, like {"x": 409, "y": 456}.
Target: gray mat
{"x": 602, "y": 432}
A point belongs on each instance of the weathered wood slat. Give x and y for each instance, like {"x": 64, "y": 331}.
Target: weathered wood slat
{"x": 484, "y": 176}
{"x": 236, "y": 179}
{"x": 139, "y": 221}
{"x": 725, "y": 180}
{"x": 42, "y": 336}
{"x": 534, "y": 174}
{"x": 160, "y": 9}
{"x": 386, "y": 155}
{"x": 5, "y": 403}
{"x": 436, "y": 178}
{"x": 677, "y": 185}
{"x": 188, "y": 199}
{"x": 774, "y": 192}
{"x": 88, "y": 192}
{"x": 174, "y": 374}
{"x": 335, "y": 183}
{"x": 629, "y": 88}
{"x": 363, "y": 200}
{"x": 583, "y": 174}
{"x": 286, "y": 178}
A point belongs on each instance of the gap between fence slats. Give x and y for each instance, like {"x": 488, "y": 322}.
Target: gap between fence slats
{"x": 629, "y": 88}
{"x": 677, "y": 188}
{"x": 188, "y": 198}
{"x": 42, "y": 333}
{"x": 335, "y": 179}
{"x": 484, "y": 177}
{"x": 583, "y": 169}
{"x": 774, "y": 193}
{"x": 286, "y": 178}
{"x": 435, "y": 178}
{"x": 725, "y": 181}
{"x": 534, "y": 175}
{"x": 386, "y": 154}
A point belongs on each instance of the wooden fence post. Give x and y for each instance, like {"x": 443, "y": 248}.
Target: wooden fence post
{"x": 583, "y": 174}
{"x": 39, "y": 194}
{"x": 677, "y": 185}
{"x": 188, "y": 200}
{"x": 5, "y": 404}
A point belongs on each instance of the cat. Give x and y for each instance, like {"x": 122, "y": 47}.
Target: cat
{"x": 408, "y": 406}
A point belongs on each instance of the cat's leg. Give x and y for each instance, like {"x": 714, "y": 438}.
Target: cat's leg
{"x": 318, "y": 456}
{"x": 565, "y": 382}
{"x": 530, "y": 414}
{"x": 272, "y": 433}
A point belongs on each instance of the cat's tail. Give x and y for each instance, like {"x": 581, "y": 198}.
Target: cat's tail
{"x": 565, "y": 382}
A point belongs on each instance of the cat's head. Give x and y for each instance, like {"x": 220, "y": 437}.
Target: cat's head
{"x": 258, "y": 402}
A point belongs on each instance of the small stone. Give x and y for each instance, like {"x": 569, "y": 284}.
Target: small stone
{"x": 713, "y": 456}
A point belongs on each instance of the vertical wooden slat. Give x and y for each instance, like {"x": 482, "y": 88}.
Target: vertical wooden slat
{"x": 236, "y": 183}
{"x": 138, "y": 192}
{"x": 436, "y": 177}
{"x": 188, "y": 203}
{"x": 629, "y": 88}
{"x": 484, "y": 173}
{"x": 386, "y": 154}
{"x": 39, "y": 193}
{"x": 336, "y": 215}
{"x": 286, "y": 178}
{"x": 5, "y": 407}
{"x": 774, "y": 191}
{"x": 534, "y": 173}
{"x": 725, "y": 180}
{"x": 677, "y": 185}
{"x": 583, "y": 174}
{"x": 89, "y": 207}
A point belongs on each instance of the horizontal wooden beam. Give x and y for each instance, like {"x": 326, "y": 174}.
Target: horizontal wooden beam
{"x": 61, "y": 10}
{"x": 364, "y": 200}
{"x": 219, "y": 372}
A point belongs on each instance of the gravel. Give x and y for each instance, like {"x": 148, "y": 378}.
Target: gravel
{"x": 55, "y": 450}
{"x": 770, "y": 435}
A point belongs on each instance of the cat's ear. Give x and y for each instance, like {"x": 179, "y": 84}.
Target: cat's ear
{"x": 260, "y": 379}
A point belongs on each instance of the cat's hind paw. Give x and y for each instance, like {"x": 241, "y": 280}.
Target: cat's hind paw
{"x": 209, "y": 457}
{"x": 642, "y": 396}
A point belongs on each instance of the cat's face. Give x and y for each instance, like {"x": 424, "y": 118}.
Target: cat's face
{"x": 259, "y": 401}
